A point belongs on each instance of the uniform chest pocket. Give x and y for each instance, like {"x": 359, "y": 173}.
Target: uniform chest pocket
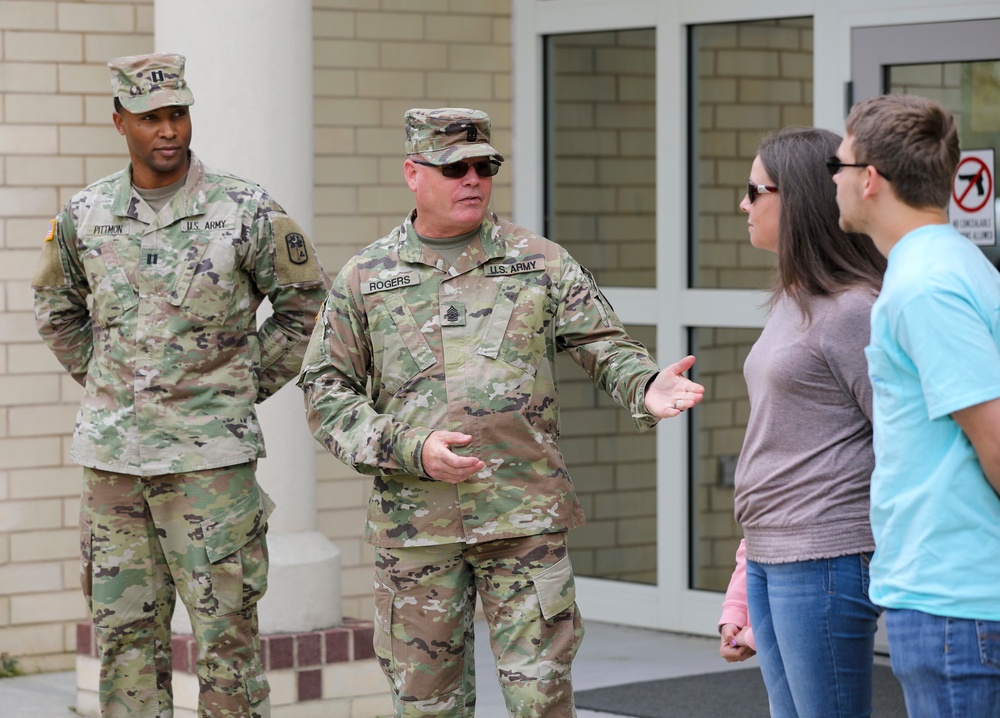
{"x": 113, "y": 292}
{"x": 519, "y": 325}
{"x": 207, "y": 282}
{"x": 400, "y": 350}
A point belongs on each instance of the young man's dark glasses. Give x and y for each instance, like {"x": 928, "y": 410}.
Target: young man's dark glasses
{"x": 834, "y": 165}
{"x": 755, "y": 190}
{"x": 457, "y": 170}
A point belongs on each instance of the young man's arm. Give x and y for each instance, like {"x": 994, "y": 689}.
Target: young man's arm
{"x": 981, "y": 423}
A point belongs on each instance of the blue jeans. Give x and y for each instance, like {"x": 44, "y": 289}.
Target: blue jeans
{"x": 949, "y": 667}
{"x": 815, "y": 633}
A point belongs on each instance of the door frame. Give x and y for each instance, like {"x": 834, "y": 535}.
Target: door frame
{"x": 876, "y": 47}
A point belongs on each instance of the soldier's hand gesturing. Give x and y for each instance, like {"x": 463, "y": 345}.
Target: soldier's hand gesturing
{"x": 443, "y": 464}
{"x": 671, "y": 392}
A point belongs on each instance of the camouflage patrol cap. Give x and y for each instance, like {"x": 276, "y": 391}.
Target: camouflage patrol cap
{"x": 147, "y": 82}
{"x": 448, "y": 134}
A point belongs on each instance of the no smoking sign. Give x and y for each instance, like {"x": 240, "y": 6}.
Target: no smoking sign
{"x": 972, "y": 212}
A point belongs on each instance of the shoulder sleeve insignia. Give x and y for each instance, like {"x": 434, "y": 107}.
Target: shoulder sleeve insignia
{"x": 52, "y": 230}
{"x": 293, "y": 255}
{"x": 296, "y": 244}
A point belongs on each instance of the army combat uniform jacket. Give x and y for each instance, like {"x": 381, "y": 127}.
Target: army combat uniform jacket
{"x": 169, "y": 353}
{"x": 406, "y": 346}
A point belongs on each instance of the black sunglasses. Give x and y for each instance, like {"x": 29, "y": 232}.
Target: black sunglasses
{"x": 457, "y": 170}
{"x": 755, "y": 190}
{"x": 834, "y": 165}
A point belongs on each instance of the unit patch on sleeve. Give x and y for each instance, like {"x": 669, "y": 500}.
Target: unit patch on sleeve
{"x": 297, "y": 252}
{"x": 293, "y": 259}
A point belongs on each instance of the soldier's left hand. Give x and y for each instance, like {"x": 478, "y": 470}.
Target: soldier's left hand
{"x": 671, "y": 392}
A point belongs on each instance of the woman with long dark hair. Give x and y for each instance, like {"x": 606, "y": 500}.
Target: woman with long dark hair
{"x": 803, "y": 475}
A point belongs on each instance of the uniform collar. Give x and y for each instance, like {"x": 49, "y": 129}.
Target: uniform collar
{"x": 489, "y": 245}
{"x": 189, "y": 201}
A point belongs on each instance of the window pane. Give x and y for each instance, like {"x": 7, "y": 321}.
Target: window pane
{"x": 614, "y": 471}
{"x": 601, "y": 199}
{"x": 747, "y": 79}
{"x": 718, "y": 425}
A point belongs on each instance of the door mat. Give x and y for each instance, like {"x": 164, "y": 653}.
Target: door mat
{"x": 732, "y": 694}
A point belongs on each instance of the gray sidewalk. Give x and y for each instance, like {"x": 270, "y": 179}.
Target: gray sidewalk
{"x": 610, "y": 655}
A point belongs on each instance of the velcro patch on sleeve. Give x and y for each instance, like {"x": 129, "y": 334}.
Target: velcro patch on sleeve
{"x": 294, "y": 257}
{"x": 50, "y": 271}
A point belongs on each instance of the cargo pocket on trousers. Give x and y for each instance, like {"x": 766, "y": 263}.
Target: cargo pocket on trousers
{"x": 558, "y": 630}
{"x": 414, "y": 649}
{"x": 256, "y": 685}
{"x": 556, "y": 588}
{"x": 237, "y": 551}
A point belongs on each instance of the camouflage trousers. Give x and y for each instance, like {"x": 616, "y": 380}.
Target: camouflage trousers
{"x": 146, "y": 540}
{"x": 425, "y": 601}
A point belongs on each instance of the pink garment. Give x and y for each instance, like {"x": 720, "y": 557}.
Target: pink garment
{"x": 734, "y": 607}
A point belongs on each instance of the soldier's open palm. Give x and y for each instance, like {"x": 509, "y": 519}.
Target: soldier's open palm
{"x": 671, "y": 392}
{"x": 443, "y": 464}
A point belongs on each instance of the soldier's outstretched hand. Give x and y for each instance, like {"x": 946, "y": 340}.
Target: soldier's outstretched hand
{"x": 671, "y": 392}
{"x": 443, "y": 464}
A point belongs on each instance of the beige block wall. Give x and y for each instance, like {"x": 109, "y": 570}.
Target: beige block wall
{"x": 373, "y": 60}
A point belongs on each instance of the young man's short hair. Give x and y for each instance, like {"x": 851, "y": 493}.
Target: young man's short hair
{"x": 911, "y": 139}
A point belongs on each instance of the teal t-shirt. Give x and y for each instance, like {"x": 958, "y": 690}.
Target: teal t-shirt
{"x": 934, "y": 350}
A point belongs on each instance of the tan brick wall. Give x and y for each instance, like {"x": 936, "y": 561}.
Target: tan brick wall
{"x": 373, "y": 60}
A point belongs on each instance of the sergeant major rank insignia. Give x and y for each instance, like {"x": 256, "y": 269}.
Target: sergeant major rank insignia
{"x": 297, "y": 252}
{"x": 452, "y": 314}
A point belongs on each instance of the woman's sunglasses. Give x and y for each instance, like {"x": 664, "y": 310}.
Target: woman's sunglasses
{"x": 457, "y": 170}
{"x": 755, "y": 190}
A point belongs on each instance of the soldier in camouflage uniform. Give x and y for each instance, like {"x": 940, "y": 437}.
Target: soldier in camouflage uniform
{"x": 432, "y": 368}
{"x": 174, "y": 259}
